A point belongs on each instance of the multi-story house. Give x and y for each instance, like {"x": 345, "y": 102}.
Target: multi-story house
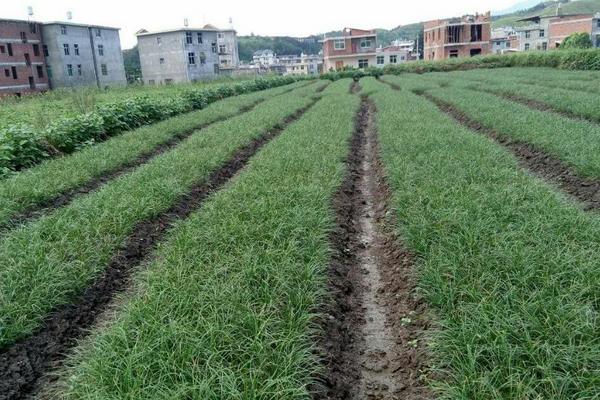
{"x": 22, "y": 64}
{"x": 178, "y": 55}
{"x": 301, "y": 65}
{"x": 229, "y": 56}
{"x": 393, "y": 55}
{"x": 534, "y": 35}
{"x": 503, "y": 40}
{"x": 264, "y": 57}
{"x": 83, "y": 55}
{"x": 466, "y": 36}
{"x": 354, "y": 48}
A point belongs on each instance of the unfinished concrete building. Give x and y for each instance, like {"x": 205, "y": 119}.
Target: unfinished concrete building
{"x": 467, "y": 36}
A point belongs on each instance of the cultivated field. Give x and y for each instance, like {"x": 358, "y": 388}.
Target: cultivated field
{"x": 406, "y": 237}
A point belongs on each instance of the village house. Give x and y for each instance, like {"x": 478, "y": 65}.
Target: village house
{"x": 264, "y": 57}
{"x": 353, "y": 48}
{"x": 466, "y": 36}
{"x": 301, "y": 65}
{"x": 179, "y": 55}
{"x": 504, "y": 40}
{"x": 22, "y": 61}
{"x": 393, "y": 55}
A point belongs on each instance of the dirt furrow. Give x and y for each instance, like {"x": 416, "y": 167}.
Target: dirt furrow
{"x": 393, "y": 85}
{"x": 67, "y": 197}
{"x": 540, "y": 163}
{"x": 27, "y": 365}
{"x": 374, "y": 347}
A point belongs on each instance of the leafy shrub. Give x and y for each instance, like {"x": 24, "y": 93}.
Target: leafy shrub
{"x": 20, "y": 147}
{"x": 580, "y": 40}
{"x": 69, "y": 134}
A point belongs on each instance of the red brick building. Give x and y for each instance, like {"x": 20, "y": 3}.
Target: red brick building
{"x": 467, "y": 36}
{"x": 562, "y": 26}
{"x": 22, "y": 63}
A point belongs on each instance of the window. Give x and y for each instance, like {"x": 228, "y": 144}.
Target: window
{"x": 526, "y": 46}
{"x": 98, "y": 32}
{"x": 14, "y": 72}
{"x": 66, "y": 49}
{"x": 191, "y": 58}
{"x": 36, "y": 50}
{"x": 220, "y": 35}
{"x": 476, "y": 33}
{"x": 199, "y": 37}
{"x": 101, "y": 50}
{"x": 542, "y": 33}
{"x": 7, "y": 72}
{"x": 2, "y": 49}
{"x": 45, "y": 50}
{"x": 63, "y": 29}
{"x": 158, "y": 40}
{"x": 598, "y": 23}
{"x": 202, "y": 57}
{"x": 104, "y": 69}
{"x": 453, "y": 53}
{"x": 151, "y": 82}
{"x": 380, "y": 60}
{"x": 393, "y": 59}
{"x": 365, "y": 43}
{"x": 339, "y": 44}
{"x": 33, "y": 28}
{"x": 49, "y": 71}
{"x": 40, "y": 71}
{"x": 76, "y": 49}
{"x": 79, "y": 71}
{"x": 27, "y": 59}
{"x": 527, "y": 34}
{"x": 31, "y": 82}
{"x": 70, "y": 69}
{"x": 168, "y": 81}
{"x": 9, "y": 48}
{"x": 214, "y": 47}
{"x": 544, "y": 46}
{"x": 363, "y": 63}
{"x": 222, "y": 49}
{"x": 216, "y": 68}
{"x": 161, "y": 61}
{"x": 188, "y": 38}
{"x": 23, "y": 37}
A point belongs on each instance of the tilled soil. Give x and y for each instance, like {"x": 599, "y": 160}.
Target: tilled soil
{"x": 26, "y": 366}
{"x": 542, "y": 164}
{"x": 374, "y": 345}
{"x": 67, "y": 197}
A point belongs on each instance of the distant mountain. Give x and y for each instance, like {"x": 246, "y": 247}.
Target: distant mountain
{"x": 523, "y": 5}
{"x": 548, "y": 8}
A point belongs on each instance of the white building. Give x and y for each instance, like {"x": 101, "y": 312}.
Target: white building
{"x": 392, "y": 55}
{"x": 264, "y": 57}
{"x": 301, "y": 65}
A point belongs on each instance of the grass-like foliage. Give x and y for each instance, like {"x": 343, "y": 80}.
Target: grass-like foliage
{"x": 508, "y": 264}
{"x": 45, "y": 263}
{"x": 53, "y": 177}
{"x": 227, "y": 310}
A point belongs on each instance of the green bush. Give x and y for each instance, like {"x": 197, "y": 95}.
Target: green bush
{"x": 20, "y": 147}
{"x": 580, "y": 40}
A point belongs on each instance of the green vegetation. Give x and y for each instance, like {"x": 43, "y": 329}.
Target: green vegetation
{"x": 23, "y": 144}
{"x": 47, "y": 262}
{"x": 508, "y": 264}
{"x": 279, "y": 44}
{"x": 238, "y": 282}
{"x": 548, "y": 8}
{"x": 43, "y": 182}
{"x": 579, "y": 40}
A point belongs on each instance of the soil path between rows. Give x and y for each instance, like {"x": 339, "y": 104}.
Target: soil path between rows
{"x": 68, "y": 196}
{"x": 374, "y": 344}
{"x": 547, "y": 167}
{"x": 29, "y": 365}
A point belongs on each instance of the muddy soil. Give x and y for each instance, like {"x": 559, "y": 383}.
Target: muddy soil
{"x": 374, "y": 346}
{"x": 27, "y": 366}
{"x": 542, "y": 164}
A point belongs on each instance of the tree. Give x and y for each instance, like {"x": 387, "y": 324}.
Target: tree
{"x": 579, "y": 40}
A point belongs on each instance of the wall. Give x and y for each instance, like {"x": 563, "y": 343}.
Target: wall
{"x": 113, "y": 58}
{"x": 436, "y": 37}
{"x": 232, "y": 57}
{"x": 10, "y": 32}
{"x": 562, "y": 27}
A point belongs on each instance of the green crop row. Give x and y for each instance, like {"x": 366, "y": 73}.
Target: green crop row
{"x": 227, "y": 309}
{"x": 43, "y": 182}
{"x": 508, "y": 264}
{"x": 23, "y": 145}
{"x": 46, "y": 262}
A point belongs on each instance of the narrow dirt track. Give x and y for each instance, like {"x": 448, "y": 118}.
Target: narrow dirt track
{"x": 67, "y": 197}
{"x": 27, "y": 366}
{"x": 540, "y": 163}
{"x": 374, "y": 347}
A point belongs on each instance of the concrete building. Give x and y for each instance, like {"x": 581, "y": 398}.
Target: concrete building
{"x": 466, "y": 36}
{"x": 301, "y": 65}
{"x": 393, "y": 55}
{"x": 83, "y": 55}
{"x": 354, "y": 48}
{"x": 229, "y": 56}
{"x": 504, "y": 40}
{"x": 408, "y": 45}
{"x": 178, "y": 55}
{"x": 22, "y": 63}
{"x": 534, "y": 35}
{"x": 264, "y": 57}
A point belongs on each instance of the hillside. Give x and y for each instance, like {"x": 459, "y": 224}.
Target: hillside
{"x": 549, "y": 8}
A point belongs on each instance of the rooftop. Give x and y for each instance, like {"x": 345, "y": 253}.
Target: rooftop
{"x": 80, "y": 25}
{"x": 205, "y": 28}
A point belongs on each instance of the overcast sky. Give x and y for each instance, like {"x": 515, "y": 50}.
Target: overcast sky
{"x": 261, "y": 17}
